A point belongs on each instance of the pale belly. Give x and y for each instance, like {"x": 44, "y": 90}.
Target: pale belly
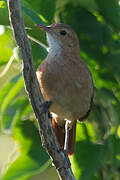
{"x": 70, "y": 106}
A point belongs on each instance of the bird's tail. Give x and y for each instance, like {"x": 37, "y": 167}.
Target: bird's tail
{"x": 60, "y": 133}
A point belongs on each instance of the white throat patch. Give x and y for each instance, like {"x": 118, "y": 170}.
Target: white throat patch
{"x": 54, "y": 46}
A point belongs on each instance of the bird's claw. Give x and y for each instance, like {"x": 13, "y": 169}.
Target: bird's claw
{"x": 45, "y": 106}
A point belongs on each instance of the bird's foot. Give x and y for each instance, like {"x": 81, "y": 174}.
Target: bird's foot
{"x": 45, "y": 106}
{"x": 67, "y": 129}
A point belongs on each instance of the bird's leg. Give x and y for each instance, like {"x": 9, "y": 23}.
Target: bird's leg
{"x": 67, "y": 128}
{"x": 45, "y": 106}
{"x": 66, "y": 136}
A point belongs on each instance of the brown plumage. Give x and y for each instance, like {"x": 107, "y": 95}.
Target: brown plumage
{"x": 65, "y": 80}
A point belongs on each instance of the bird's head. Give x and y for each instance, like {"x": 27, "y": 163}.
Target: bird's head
{"x": 60, "y": 35}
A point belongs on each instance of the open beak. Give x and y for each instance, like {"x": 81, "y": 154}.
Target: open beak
{"x": 45, "y": 28}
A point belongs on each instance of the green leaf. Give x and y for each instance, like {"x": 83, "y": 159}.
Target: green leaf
{"x": 17, "y": 110}
{"x": 12, "y": 93}
{"x": 6, "y": 46}
{"x": 112, "y": 7}
{"x": 34, "y": 16}
{"x": 39, "y": 53}
{"x": 46, "y": 9}
{"x": 7, "y": 87}
{"x": 88, "y": 156}
{"x": 110, "y": 95}
{"x": 113, "y": 143}
{"x": 8, "y": 103}
{"x": 2, "y": 4}
{"x": 91, "y": 5}
{"x": 87, "y": 4}
{"x": 32, "y": 158}
{"x": 4, "y": 17}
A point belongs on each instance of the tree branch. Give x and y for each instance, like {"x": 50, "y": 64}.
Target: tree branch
{"x": 36, "y": 99}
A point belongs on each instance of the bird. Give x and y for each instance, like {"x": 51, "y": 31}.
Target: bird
{"x": 66, "y": 82}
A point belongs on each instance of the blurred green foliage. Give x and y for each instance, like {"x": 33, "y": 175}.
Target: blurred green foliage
{"x": 97, "y": 23}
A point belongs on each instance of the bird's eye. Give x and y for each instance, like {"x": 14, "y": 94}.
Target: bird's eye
{"x": 63, "y": 32}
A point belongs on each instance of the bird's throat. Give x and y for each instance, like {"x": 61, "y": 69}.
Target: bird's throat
{"x": 55, "y": 47}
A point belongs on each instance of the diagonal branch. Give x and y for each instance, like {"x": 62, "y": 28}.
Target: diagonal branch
{"x": 36, "y": 99}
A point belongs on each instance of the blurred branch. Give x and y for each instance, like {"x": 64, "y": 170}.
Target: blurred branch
{"x": 36, "y": 99}
{"x": 7, "y": 66}
{"x": 38, "y": 42}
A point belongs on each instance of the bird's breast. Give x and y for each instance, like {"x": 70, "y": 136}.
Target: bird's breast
{"x": 68, "y": 84}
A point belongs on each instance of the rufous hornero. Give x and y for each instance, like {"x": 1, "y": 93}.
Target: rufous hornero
{"x": 66, "y": 81}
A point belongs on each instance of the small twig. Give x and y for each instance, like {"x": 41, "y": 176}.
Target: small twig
{"x": 48, "y": 137}
{"x": 38, "y": 42}
{"x": 7, "y": 66}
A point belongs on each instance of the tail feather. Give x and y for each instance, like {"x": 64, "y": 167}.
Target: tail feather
{"x": 60, "y": 133}
{"x": 72, "y": 137}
